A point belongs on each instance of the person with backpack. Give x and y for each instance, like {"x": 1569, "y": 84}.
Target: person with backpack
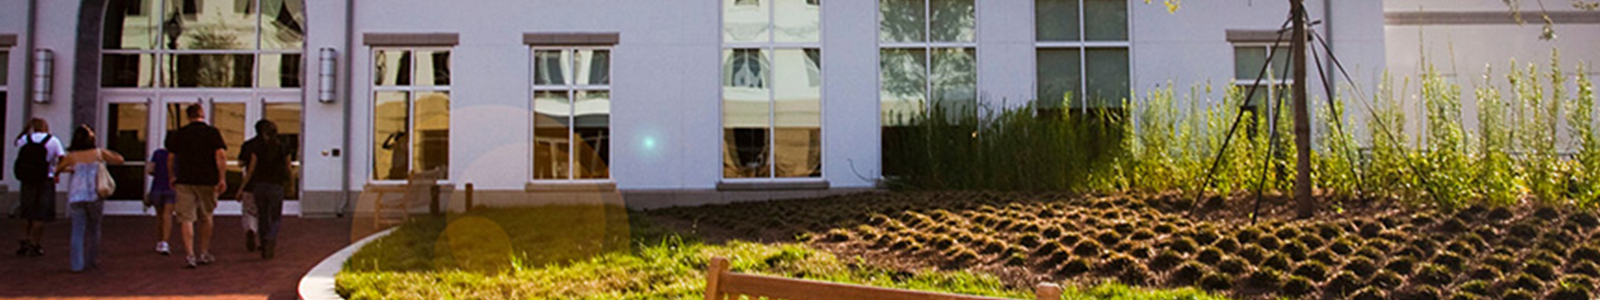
{"x": 267, "y": 168}
{"x": 37, "y": 154}
{"x": 85, "y": 199}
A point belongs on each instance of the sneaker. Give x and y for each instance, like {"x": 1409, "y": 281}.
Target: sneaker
{"x": 189, "y": 262}
{"x": 37, "y": 251}
{"x": 23, "y": 247}
{"x": 206, "y": 259}
{"x": 161, "y": 247}
{"x": 250, "y": 240}
{"x": 267, "y": 249}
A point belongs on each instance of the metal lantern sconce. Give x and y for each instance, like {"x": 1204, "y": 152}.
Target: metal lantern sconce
{"x": 44, "y": 65}
{"x": 327, "y": 75}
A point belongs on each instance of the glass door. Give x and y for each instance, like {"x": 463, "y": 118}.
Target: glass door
{"x": 137, "y": 125}
{"x": 127, "y": 131}
{"x": 229, "y": 113}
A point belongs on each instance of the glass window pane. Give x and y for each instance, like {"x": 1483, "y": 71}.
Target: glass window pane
{"x": 391, "y": 67}
{"x": 209, "y": 24}
{"x": 432, "y": 142}
{"x": 552, "y": 122}
{"x": 594, "y": 67}
{"x": 746, "y": 113}
{"x": 127, "y": 70}
{"x": 550, "y": 67}
{"x": 1247, "y": 61}
{"x": 131, "y": 24}
{"x": 229, "y": 119}
{"x": 282, "y": 24}
{"x": 955, "y": 80}
{"x": 798, "y": 21}
{"x": 433, "y": 68}
{"x": 280, "y": 70}
{"x": 1105, "y": 20}
{"x": 745, "y": 21}
{"x": 391, "y": 144}
{"x": 1060, "y": 78}
{"x": 128, "y": 129}
{"x": 287, "y": 117}
{"x": 1280, "y": 62}
{"x": 1055, "y": 20}
{"x": 901, "y": 21}
{"x": 953, "y": 20}
{"x": 210, "y": 70}
{"x": 798, "y": 107}
{"x": 903, "y": 85}
{"x": 592, "y": 134}
{"x": 5, "y": 68}
{"x": 1107, "y": 76}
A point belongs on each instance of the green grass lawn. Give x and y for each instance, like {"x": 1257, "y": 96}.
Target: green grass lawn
{"x": 571, "y": 252}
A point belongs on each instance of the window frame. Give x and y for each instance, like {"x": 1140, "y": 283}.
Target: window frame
{"x": 1274, "y": 82}
{"x": 571, "y": 87}
{"x": 1082, "y": 45}
{"x": 160, "y": 53}
{"x": 413, "y": 90}
{"x": 770, "y": 46}
{"x": 929, "y": 47}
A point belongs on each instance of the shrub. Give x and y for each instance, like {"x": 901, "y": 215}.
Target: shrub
{"x": 1047, "y": 248}
{"x": 1117, "y": 263}
{"x": 1030, "y": 240}
{"x": 1269, "y": 242}
{"x": 1253, "y": 253}
{"x": 1087, "y": 248}
{"x": 1311, "y": 241}
{"x": 1343, "y": 283}
{"x": 1143, "y": 234}
{"x": 1401, "y": 265}
{"x": 1312, "y": 269}
{"x": 1166, "y": 260}
{"x": 1069, "y": 238}
{"x": 1298, "y": 286}
{"x": 1233, "y": 265}
{"x": 962, "y": 256}
{"x": 1371, "y": 229}
{"x": 1342, "y": 247}
{"x": 1216, "y": 282}
{"x": 1432, "y": 274}
{"x": 1165, "y": 228}
{"x": 1209, "y": 255}
{"x": 1287, "y": 233}
{"x": 1108, "y": 237}
{"x": 1227, "y": 244}
{"x": 1051, "y": 232}
{"x": 1182, "y": 245}
{"x": 1453, "y": 225}
{"x": 1188, "y": 273}
{"x": 1264, "y": 278}
{"x": 1076, "y": 266}
{"x": 1135, "y": 275}
{"x": 1500, "y": 213}
{"x": 1248, "y": 234}
{"x": 1277, "y": 261}
{"x": 1361, "y": 265}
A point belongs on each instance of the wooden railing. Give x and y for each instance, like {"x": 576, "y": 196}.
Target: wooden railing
{"x": 722, "y": 284}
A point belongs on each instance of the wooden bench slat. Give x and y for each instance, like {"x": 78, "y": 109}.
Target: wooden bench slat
{"x": 722, "y": 284}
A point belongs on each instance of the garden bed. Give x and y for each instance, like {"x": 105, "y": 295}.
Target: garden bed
{"x": 1371, "y": 250}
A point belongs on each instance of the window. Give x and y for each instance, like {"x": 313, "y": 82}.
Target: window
{"x": 1082, "y": 53}
{"x": 411, "y": 112}
{"x": 5, "y": 72}
{"x": 771, "y": 88}
{"x": 1248, "y": 61}
{"x": 927, "y": 52}
{"x": 202, "y": 44}
{"x": 572, "y": 113}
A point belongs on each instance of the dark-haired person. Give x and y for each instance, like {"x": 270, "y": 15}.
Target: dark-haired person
{"x": 35, "y": 166}
{"x": 199, "y": 159}
{"x": 266, "y": 170}
{"x": 84, "y": 203}
{"x": 161, "y": 197}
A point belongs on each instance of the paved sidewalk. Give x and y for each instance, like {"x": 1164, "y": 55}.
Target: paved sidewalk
{"x": 131, "y": 269}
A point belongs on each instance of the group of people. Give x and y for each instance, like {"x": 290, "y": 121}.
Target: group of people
{"x": 188, "y": 176}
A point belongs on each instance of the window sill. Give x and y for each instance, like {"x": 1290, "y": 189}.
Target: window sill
{"x": 570, "y": 186}
{"x": 741, "y": 185}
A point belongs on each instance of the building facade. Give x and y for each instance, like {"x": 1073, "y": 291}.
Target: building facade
{"x": 654, "y": 103}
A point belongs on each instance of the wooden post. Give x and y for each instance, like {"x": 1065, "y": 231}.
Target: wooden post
{"x": 1047, "y": 291}
{"x": 1302, "y": 115}
{"x": 469, "y": 198}
{"x": 714, "y": 273}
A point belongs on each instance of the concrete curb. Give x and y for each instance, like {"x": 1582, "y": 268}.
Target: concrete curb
{"x": 318, "y": 283}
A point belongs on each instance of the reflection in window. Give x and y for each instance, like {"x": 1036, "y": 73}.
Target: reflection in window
{"x": 771, "y": 90}
{"x": 127, "y": 131}
{"x": 411, "y": 122}
{"x": 203, "y": 43}
{"x": 1248, "y": 64}
{"x": 229, "y": 119}
{"x": 1082, "y": 53}
{"x": 928, "y": 52}
{"x": 572, "y": 122}
{"x": 287, "y": 116}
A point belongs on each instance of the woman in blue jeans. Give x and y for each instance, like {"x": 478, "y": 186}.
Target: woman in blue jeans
{"x": 266, "y": 170}
{"x": 84, "y": 204}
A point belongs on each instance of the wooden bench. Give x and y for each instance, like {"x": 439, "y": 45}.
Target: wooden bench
{"x": 722, "y": 284}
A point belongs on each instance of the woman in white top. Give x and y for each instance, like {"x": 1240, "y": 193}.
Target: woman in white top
{"x": 84, "y": 204}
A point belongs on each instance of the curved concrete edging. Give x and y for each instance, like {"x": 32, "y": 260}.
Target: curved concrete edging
{"x": 318, "y": 283}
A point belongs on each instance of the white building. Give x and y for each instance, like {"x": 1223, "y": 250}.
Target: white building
{"x": 666, "y": 102}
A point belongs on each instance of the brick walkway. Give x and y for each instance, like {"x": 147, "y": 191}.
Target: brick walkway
{"x": 131, "y": 269}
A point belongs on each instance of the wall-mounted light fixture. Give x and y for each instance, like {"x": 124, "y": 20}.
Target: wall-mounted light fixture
{"x": 44, "y": 65}
{"x": 327, "y": 75}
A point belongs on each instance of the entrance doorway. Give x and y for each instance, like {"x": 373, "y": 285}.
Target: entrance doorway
{"x": 137, "y": 124}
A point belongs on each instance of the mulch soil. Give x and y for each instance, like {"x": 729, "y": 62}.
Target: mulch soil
{"x": 131, "y": 269}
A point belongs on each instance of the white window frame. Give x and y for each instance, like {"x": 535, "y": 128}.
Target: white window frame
{"x": 928, "y": 46}
{"x": 771, "y": 45}
{"x": 571, "y": 87}
{"x": 160, "y": 53}
{"x": 1272, "y": 80}
{"x": 1083, "y": 45}
{"x": 412, "y": 90}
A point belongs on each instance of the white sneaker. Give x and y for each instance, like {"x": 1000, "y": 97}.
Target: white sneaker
{"x": 161, "y": 247}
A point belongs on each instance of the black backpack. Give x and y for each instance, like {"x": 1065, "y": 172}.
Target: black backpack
{"x": 32, "y": 165}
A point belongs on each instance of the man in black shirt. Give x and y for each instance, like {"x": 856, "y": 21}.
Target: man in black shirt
{"x": 199, "y": 159}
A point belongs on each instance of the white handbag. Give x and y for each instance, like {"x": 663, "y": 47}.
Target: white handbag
{"x": 103, "y": 183}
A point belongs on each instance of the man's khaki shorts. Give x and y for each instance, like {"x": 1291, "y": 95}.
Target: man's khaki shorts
{"x": 195, "y": 202}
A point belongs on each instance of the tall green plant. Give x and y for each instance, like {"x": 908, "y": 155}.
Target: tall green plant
{"x": 1444, "y": 167}
{"x": 1387, "y": 166}
{"x": 1495, "y": 172}
{"x": 1536, "y": 136}
{"x": 1580, "y": 117}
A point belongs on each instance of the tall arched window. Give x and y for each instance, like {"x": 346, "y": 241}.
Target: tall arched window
{"x": 203, "y": 44}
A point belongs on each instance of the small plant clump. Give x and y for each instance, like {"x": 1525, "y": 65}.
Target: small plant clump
{"x": 1517, "y": 294}
{"x": 1188, "y": 273}
{"x": 1233, "y": 265}
{"x": 1209, "y": 255}
{"x": 1298, "y": 286}
{"x": 1385, "y": 279}
{"x": 1432, "y": 274}
{"x": 1166, "y": 260}
{"x": 1312, "y": 269}
{"x": 1216, "y": 282}
{"x": 1343, "y": 283}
